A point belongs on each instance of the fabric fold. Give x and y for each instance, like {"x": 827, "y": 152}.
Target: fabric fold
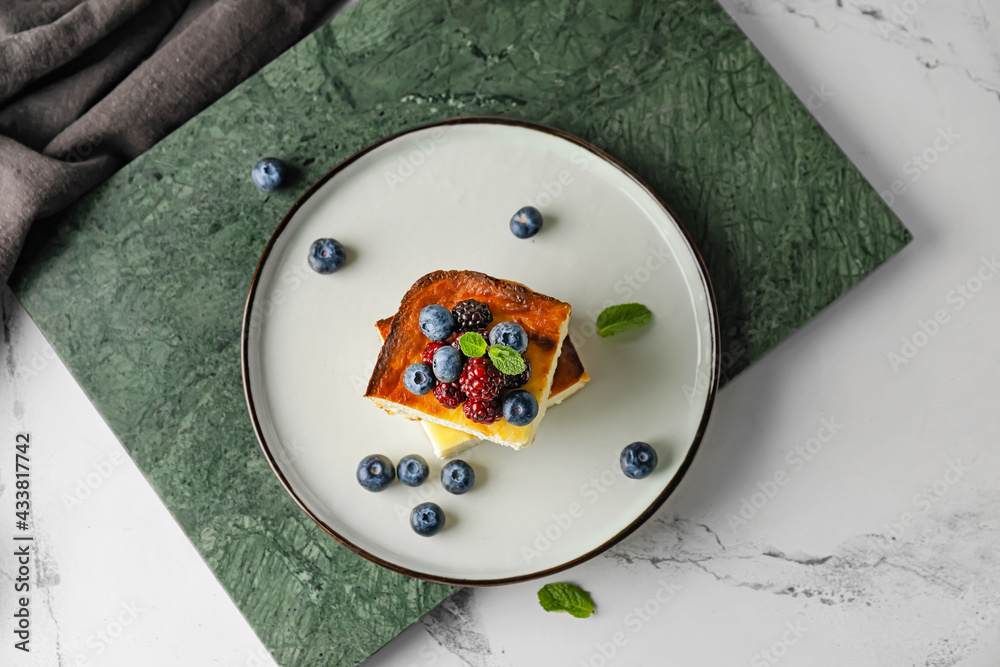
{"x": 86, "y": 87}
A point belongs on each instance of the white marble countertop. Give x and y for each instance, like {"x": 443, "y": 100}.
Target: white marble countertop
{"x": 879, "y": 418}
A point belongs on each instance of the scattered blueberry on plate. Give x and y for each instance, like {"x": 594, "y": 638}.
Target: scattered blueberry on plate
{"x": 526, "y": 222}
{"x": 412, "y": 470}
{"x": 447, "y": 363}
{"x": 427, "y": 519}
{"x": 326, "y": 256}
{"x": 268, "y": 174}
{"x": 436, "y": 322}
{"x": 638, "y": 460}
{"x": 457, "y": 477}
{"x": 520, "y": 407}
{"x": 418, "y": 379}
{"x": 510, "y": 334}
{"x": 375, "y": 472}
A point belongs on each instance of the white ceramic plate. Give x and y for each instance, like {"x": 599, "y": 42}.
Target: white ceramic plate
{"x": 440, "y": 197}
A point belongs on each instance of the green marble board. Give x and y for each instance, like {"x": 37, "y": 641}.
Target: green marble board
{"x": 140, "y": 287}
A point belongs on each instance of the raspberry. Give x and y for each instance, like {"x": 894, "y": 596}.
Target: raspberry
{"x": 480, "y": 379}
{"x": 471, "y": 314}
{"x": 428, "y": 356}
{"x": 483, "y": 411}
{"x": 519, "y": 380}
{"x": 449, "y": 394}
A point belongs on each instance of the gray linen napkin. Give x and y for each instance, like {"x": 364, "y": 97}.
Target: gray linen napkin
{"x": 87, "y": 85}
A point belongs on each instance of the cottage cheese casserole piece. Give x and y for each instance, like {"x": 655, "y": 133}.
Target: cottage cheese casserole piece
{"x": 544, "y": 319}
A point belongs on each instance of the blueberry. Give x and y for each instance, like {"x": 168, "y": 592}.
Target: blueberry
{"x": 268, "y": 174}
{"x": 418, "y": 378}
{"x": 412, "y": 470}
{"x": 326, "y": 256}
{"x": 427, "y": 519}
{"x": 526, "y": 222}
{"x": 375, "y": 472}
{"x": 436, "y": 322}
{"x": 520, "y": 408}
{"x": 447, "y": 364}
{"x": 638, "y": 460}
{"x": 457, "y": 477}
{"x": 511, "y": 335}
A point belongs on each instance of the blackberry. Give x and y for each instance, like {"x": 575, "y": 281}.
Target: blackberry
{"x": 449, "y": 394}
{"x": 519, "y": 380}
{"x": 428, "y": 355}
{"x": 480, "y": 379}
{"x": 483, "y": 411}
{"x": 471, "y": 315}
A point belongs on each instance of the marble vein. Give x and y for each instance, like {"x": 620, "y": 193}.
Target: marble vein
{"x": 457, "y": 627}
{"x": 927, "y": 29}
{"x": 872, "y": 575}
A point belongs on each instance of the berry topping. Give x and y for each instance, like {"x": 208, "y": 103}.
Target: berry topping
{"x": 412, "y": 470}
{"x": 482, "y": 411}
{"x": 427, "y": 519}
{"x": 447, "y": 363}
{"x": 526, "y": 222}
{"x": 457, "y": 477}
{"x": 418, "y": 379}
{"x": 638, "y": 460}
{"x": 510, "y": 334}
{"x": 520, "y": 408}
{"x": 326, "y": 256}
{"x": 375, "y": 472}
{"x": 449, "y": 394}
{"x": 521, "y": 379}
{"x": 436, "y": 322}
{"x": 471, "y": 315}
{"x": 480, "y": 379}
{"x": 428, "y": 355}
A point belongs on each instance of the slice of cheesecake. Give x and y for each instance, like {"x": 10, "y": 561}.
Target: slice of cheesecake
{"x": 544, "y": 319}
{"x": 569, "y": 378}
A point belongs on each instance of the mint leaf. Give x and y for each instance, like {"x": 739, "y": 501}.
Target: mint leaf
{"x": 507, "y": 360}
{"x": 472, "y": 343}
{"x": 616, "y": 319}
{"x": 566, "y": 597}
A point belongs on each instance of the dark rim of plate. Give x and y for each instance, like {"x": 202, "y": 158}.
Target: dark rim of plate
{"x": 622, "y": 534}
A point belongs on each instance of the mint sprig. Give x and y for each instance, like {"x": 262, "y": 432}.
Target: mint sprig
{"x": 623, "y": 317}
{"x": 566, "y": 597}
{"x": 472, "y": 343}
{"x": 507, "y": 360}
